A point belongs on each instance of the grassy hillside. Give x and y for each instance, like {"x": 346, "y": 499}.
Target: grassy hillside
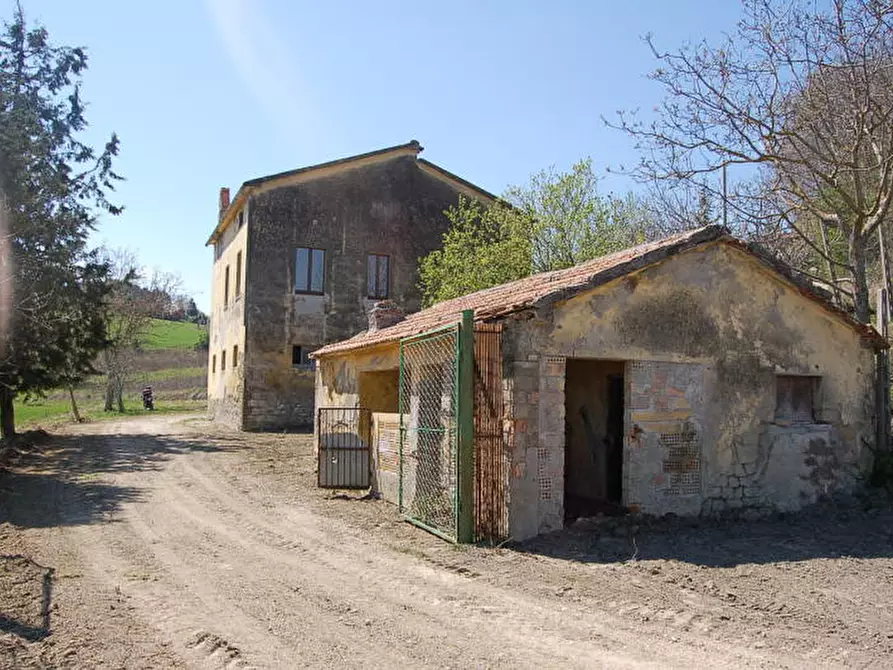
{"x": 168, "y": 362}
{"x": 173, "y": 335}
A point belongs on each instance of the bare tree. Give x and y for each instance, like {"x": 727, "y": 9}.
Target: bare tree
{"x": 802, "y": 95}
{"x": 130, "y": 306}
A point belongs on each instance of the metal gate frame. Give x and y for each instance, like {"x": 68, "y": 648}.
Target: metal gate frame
{"x": 457, "y": 435}
{"x": 491, "y": 463}
{"x": 344, "y": 456}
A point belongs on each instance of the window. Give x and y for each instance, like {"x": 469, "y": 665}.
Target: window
{"x": 223, "y": 360}
{"x": 235, "y": 355}
{"x": 240, "y": 219}
{"x": 795, "y": 398}
{"x": 226, "y": 287}
{"x": 377, "y": 284}
{"x": 300, "y": 357}
{"x": 238, "y": 274}
{"x": 309, "y": 270}
{"x": 213, "y": 364}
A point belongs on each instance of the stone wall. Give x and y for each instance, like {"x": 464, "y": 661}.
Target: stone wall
{"x": 704, "y": 335}
{"x": 391, "y": 207}
{"x": 227, "y": 328}
{"x": 534, "y": 402}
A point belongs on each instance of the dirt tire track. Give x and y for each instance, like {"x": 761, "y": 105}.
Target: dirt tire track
{"x": 223, "y": 554}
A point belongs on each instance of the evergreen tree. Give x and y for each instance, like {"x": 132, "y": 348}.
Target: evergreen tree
{"x": 52, "y": 185}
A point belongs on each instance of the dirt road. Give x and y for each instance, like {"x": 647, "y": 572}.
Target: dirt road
{"x": 172, "y": 543}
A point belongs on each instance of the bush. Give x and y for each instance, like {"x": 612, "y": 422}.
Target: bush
{"x": 204, "y": 341}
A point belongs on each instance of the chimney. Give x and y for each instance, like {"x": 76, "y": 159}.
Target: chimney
{"x": 384, "y": 314}
{"x": 224, "y": 203}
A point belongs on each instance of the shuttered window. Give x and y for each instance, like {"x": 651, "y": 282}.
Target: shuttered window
{"x": 377, "y": 276}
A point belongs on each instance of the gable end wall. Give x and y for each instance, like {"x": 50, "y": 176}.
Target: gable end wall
{"x": 704, "y": 335}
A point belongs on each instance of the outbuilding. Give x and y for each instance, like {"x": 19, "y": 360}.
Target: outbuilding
{"x": 694, "y": 375}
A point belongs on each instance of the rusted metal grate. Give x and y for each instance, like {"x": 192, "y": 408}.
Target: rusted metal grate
{"x": 343, "y": 447}
{"x": 491, "y": 464}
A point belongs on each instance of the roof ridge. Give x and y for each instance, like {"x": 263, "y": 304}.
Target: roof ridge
{"x": 569, "y": 280}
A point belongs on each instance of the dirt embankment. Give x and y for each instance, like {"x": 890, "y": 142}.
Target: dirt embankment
{"x": 159, "y": 543}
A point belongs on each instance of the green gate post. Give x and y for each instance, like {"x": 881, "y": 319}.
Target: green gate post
{"x": 465, "y": 418}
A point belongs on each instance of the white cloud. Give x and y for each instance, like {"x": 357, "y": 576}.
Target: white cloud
{"x": 265, "y": 65}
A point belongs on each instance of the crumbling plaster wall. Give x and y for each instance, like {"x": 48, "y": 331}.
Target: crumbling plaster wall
{"x": 338, "y": 377}
{"x": 721, "y": 327}
{"x": 227, "y": 329}
{"x": 389, "y": 207}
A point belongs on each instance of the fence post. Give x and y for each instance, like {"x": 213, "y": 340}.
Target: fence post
{"x": 465, "y": 418}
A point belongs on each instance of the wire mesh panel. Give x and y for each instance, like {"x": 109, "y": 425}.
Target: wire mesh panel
{"x": 343, "y": 447}
{"x": 429, "y": 387}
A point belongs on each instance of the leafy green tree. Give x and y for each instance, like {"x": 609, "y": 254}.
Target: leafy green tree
{"x": 485, "y": 246}
{"x": 556, "y": 221}
{"x": 52, "y": 185}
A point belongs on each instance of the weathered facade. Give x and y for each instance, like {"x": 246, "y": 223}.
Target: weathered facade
{"x": 300, "y": 258}
{"x": 691, "y": 376}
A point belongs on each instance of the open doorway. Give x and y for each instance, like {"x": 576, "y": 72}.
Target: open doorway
{"x": 593, "y": 456}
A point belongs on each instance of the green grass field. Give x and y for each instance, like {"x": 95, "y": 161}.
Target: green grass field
{"x": 49, "y": 412}
{"x": 173, "y": 335}
{"x": 168, "y": 362}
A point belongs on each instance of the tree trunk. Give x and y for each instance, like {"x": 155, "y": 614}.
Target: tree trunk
{"x": 74, "y": 405}
{"x": 109, "y": 395}
{"x": 832, "y": 275}
{"x": 860, "y": 279}
{"x": 119, "y": 396}
{"x": 7, "y": 413}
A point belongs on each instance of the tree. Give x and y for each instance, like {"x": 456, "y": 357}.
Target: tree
{"x": 484, "y": 246}
{"x": 556, "y": 221}
{"x": 130, "y": 306}
{"x": 802, "y": 96}
{"x": 51, "y": 187}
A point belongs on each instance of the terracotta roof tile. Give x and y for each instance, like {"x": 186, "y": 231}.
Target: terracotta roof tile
{"x": 499, "y": 301}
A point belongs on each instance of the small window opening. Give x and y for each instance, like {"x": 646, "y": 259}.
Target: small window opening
{"x": 235, "y": 355}
{"x": 238, "y": 274}
{"x": 300, "y": 357}
{"x": 795, "y": 398}
{"x": 241, "y": 218}
{"x": 226, "y": 287}
{"x": 223, "y": 360}
{"x": 213, "y": 363}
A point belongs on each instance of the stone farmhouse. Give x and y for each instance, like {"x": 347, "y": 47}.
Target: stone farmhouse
{"x": 693, "y": 375}
{"x": 300, "y": 258}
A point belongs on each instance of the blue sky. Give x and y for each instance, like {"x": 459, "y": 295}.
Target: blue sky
{"x": 210, "y": 93}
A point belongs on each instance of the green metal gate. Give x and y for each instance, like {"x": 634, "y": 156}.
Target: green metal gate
{"x": 436, "y": 431}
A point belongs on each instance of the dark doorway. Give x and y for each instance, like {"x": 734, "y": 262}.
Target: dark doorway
{"x": 593, "y": 456}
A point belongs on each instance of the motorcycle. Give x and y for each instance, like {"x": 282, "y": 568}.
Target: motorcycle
{"x": 148, "y": 399}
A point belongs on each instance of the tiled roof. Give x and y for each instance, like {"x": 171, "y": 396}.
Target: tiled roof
{"x": 500, "y": 301}
{"x": 412, "y": 147}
